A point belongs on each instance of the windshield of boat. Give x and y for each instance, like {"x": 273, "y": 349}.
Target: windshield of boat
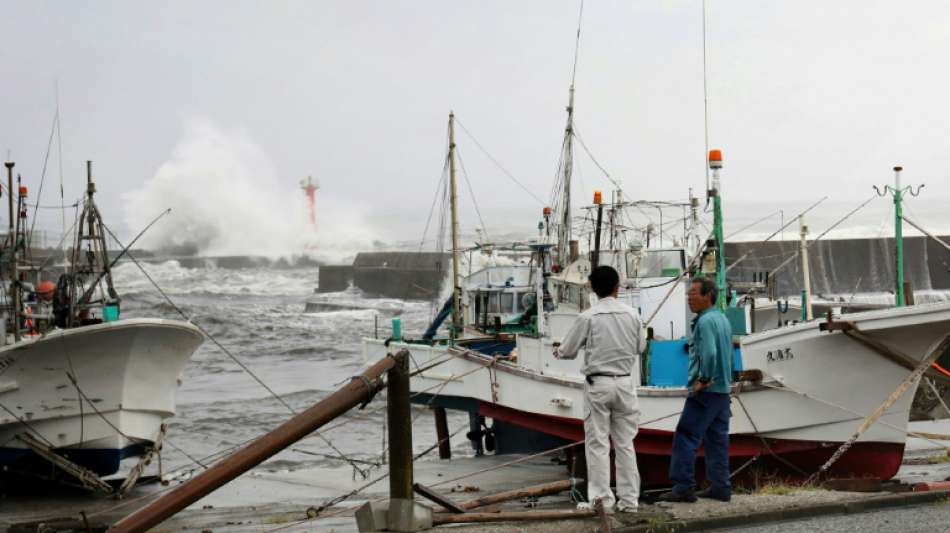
{"x": 656, "y": 263}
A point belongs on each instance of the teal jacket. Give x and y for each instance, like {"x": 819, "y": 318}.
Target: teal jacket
{"x": 710, "y": 352}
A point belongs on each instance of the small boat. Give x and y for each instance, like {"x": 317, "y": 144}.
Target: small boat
{"x": 80, "y": 386}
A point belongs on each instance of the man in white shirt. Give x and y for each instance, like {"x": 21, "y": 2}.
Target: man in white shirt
{"x": 610, "y": 334}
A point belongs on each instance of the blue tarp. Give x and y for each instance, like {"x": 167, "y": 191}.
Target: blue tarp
{"x": 668, "y": 363}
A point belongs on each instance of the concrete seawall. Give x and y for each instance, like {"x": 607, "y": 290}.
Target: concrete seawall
{"x": 844, "y": 266}
{"x": 404, "y": 275}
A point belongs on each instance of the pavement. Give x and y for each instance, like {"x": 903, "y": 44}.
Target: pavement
{"x": 270, "y": 501}
{"x": 929, "y": 518}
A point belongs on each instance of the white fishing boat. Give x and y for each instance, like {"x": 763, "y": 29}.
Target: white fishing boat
{"x": 80, "y": 387}
{"x": 95, "y": 394}
{"x": 818, "y": 381}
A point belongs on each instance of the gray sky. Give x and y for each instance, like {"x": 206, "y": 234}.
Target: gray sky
{"x": 806, "y": 98}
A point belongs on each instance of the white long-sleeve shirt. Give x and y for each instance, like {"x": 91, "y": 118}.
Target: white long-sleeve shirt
{"x": 611, "y": 334}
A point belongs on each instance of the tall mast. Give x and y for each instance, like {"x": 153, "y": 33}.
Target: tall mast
{"x": 456, "y": 297}
{"x": 898, "y": 239}
{"x": 9, "y": 165}
{"x": 897, "y": 191}
{"x": 567, "y": 168}
{"x": 715, "y": 164}
{"x": 14, "y": 274}
{"x": 806, "y": 271}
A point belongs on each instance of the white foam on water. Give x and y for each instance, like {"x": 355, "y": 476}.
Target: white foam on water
{"x": 178, "y": 280}
{"x": 227, "y": 198}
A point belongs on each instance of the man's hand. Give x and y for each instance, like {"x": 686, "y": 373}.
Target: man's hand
{"x": 557, "y": 350}
{"x": 698, "y": 386}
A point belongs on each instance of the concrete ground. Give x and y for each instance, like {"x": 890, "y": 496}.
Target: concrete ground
{"x": 278, "y": 501}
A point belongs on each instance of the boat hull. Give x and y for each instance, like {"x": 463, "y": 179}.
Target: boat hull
{"x": 96, "y": 394}
{"x": 806, "y": 407}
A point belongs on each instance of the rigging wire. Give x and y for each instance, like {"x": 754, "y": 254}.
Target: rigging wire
{"x": 435, "y": 198}
{"x": 828, "y": 230}
{"x": 763, "y": 219}
{"x": 497, "y": 164}
{"x": 472, "y": 194}
{"x": 59, "y": 148}
{"x": 39, "y": 194}
{"x": 577, "y": 135}
{"x": 776, "y": 232}
{"x": 705, "y": 101}
{"x": 577, "y": 42}
{"x": 222, "y": 348}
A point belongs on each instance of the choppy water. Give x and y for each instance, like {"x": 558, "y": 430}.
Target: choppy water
{"x": 257, "y": 314}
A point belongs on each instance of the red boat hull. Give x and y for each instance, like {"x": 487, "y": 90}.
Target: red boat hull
{"x": 788, "y": 459}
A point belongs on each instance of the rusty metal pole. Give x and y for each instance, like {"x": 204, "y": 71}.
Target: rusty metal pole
{"x": 356, "y": 391}
{"x": 442, "y": 433}
{"x": 400, "y": 429}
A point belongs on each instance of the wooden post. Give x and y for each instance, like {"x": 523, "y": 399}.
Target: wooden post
{"x": 908, "y": 293}
{"x": 442, "y": 433}
{"x": 400, "y": 429}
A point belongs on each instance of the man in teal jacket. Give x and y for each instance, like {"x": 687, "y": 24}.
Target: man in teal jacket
{"x": 705, "y": 416}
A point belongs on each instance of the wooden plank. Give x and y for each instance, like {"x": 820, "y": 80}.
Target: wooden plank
{"x": 514, "y": 516}
{"x": 434, "y": 496}
{"x": 534, "y": 491}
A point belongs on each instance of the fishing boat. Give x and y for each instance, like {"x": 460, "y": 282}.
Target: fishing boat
{"x": 817, "y": 380}
{"x": 81, "y": 387}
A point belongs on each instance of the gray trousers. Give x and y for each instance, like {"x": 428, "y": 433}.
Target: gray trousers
{"x": 613, "y": 412}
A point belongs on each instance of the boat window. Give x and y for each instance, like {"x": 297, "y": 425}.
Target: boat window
{"x": 507, "y": 302}
{"x": 656, "y": 263}
{"x": 493, "y": 303}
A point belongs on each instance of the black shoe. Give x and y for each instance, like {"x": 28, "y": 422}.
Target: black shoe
{"x": 672, "y": 496}
{"x": 715, "y": 495}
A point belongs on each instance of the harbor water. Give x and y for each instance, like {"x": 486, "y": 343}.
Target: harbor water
{"x": 258, "y": 316}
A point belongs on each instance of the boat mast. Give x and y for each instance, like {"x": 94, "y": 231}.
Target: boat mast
{"x": 898, "y": 239}
{"x": 456, "y": 296}
{"x": 567, "y": 169}
{"x": 806, "y": 272}
{"x": 94, "y": 262}
{"x": 715, "y": 164}
{"x": 11, "y": 235}
{"x": 897, "y": 192}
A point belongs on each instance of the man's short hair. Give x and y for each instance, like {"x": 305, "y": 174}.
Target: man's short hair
{"x": 604, "y": 280}
{"x": 707, "y": 287}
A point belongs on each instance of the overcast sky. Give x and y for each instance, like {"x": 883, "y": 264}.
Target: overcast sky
{"x": 806, "y": 98}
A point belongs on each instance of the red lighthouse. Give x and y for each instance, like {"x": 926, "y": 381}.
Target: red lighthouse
{"x": 310, "y": 187}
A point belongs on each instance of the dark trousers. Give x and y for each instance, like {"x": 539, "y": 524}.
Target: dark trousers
{"x": 705, "y": 418}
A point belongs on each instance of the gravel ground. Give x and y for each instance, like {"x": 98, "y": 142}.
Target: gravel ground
{"x": 921, "y": 518}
